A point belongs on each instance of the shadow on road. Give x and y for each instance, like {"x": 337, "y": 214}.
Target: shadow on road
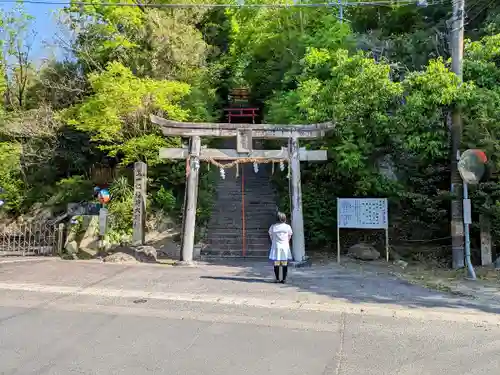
{"x": 341, "y": 283}
{"x": 239, "y": 279}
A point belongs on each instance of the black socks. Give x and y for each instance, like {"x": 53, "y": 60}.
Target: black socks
{"x": 277, "y": 273}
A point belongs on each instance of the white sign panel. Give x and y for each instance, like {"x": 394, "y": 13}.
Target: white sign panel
{"x": 362, "y": 213}
{"x": 467, "y": 212}
{"x": 103, "y": 217}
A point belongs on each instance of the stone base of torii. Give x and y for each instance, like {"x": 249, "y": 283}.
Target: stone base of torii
{"x": 244, "y": 133}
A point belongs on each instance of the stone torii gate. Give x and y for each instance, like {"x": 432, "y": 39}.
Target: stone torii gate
{"x": 244, "y": 133}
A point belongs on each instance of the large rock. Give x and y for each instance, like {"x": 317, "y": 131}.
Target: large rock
{"x": 75, "y": 209}
{"x": 363, "y": 251}
{"x": 87, "y": 253}
{"x": 146, "y": 254}
{"x": 120, "y": 258}
{"x": 90, "y": 239}
{"x": 497, "y": 263}
{"x": 401, "y": 263}
{"x": 72, "y": 247}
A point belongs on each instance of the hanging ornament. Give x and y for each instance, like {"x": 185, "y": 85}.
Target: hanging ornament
{"x": 289, "y": 171}
{"x": 208, "y": 166}
{"x": 255, "y": 167}
{"x": 282, "y": 166}
{"x": 222, "y": 173}
{"x": 272, "y": 169}
{"x": 195, "y": 164}
{"x": 237, "y": 170}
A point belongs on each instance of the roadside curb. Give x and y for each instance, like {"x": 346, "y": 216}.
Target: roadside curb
{"x": 454, "y": 290}
{"x": 8, "y": 260}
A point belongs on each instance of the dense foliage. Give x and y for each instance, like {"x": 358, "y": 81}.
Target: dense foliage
{"x": 382, "y": 75}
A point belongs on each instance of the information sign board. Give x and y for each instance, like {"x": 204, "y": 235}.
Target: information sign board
{"x": 362, "y": 213}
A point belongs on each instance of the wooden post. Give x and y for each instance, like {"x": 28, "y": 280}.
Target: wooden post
{"x": 457, "y": 219}
{"x": 298, "y": 241}
{"x": 338, "y": 239}
{"x": 191, "y": 197}
{"x": 387, "y": 244}
{"x": 139, "y": 213}
{"x": 485, "y": 227}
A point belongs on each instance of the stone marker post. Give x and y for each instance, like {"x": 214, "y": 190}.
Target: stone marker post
{"x": 139, "y": 212}
{"x": 486, "y": 240}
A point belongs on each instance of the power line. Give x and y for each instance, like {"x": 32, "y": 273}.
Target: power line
{"x": 420, "y": 3}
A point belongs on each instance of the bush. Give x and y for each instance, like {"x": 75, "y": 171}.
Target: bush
{"x": 120, "y": 210}
{"x": 165, "y": 200}
{"x": 12, "y": 193}
{"x": 121, "y": 219}
{"x": 71, "y": 189}
{"x": 121, "y": 190}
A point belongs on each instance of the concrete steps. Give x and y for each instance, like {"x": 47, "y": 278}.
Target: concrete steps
{"x": 224, "y": 237}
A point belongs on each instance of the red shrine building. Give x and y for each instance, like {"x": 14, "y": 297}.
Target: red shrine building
{"x": 239, "y": 110}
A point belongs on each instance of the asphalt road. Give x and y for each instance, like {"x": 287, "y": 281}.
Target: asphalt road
{"x": 44, "y": 333}
{"x": 86, "y": 318}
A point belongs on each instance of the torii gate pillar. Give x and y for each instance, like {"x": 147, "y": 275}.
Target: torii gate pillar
{"x": 189, "y": 224}
{"x": 297, "y": 219}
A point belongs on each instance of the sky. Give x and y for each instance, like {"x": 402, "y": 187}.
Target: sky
{"x": 44, "y": 25}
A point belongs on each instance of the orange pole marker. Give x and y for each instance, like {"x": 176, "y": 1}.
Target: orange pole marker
{"x": 243, "y": 222}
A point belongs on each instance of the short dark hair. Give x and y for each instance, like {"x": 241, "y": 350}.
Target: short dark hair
{"x": 281, "y": 217}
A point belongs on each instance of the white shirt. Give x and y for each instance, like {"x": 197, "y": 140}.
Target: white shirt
{"x": 280, "y": 234}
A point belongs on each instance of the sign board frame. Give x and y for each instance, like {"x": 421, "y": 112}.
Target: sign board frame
{"x": 354, "y": 220}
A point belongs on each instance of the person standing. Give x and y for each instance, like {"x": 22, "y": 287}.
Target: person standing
{"x": 280, "y": 234}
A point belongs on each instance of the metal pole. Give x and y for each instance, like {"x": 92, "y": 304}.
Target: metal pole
{"x": 338, "y": 231}
{"x": 341, "y": 11}
{"x": 471, "y": 274}
{"x": 457, "y": 50}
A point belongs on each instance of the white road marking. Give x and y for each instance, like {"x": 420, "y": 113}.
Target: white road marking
{"x": 334, "y": 306}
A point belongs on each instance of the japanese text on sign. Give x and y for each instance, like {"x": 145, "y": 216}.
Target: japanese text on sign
{"x": 362, "y": 213}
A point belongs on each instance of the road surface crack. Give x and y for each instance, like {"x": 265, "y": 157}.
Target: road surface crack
{"x": 340, "y": 353}
{"x": 339, "y": 356}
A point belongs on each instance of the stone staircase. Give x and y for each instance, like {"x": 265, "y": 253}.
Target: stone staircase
{"x": 225, "y": 228}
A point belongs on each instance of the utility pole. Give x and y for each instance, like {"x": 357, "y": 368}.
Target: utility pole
{"x": 457, "y": 218}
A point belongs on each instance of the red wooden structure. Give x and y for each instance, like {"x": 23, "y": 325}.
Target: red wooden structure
{"x": 241, "y": 112}
{"x": 239, "y": 107}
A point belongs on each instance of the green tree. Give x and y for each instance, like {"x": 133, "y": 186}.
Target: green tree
{"x": 117, "y": 115}
{"x": 17, "y": 36}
